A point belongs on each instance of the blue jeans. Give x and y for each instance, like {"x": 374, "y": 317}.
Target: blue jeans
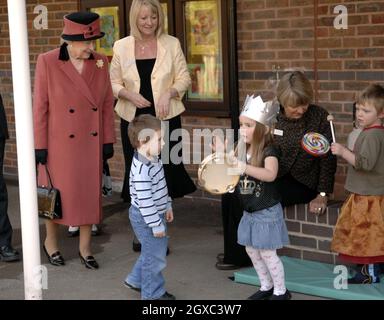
{"x": 146, "y": 273}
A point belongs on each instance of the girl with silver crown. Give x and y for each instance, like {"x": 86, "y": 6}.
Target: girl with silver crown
{"x": 262, "y": 229}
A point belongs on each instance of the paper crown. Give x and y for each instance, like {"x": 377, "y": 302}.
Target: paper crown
{"x": 263, "y": 112}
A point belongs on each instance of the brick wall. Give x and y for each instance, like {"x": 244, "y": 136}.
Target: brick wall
{"x": 282, "y": 33}
{"x": 272, "y": 34}
{"x": 310, "y": 235}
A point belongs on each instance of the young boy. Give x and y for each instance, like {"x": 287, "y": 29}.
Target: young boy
{"x": 359, "y": 231}
{"x": 151, "y": 208}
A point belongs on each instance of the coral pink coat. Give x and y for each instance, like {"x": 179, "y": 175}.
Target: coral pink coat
{"x": 73, "y": 117}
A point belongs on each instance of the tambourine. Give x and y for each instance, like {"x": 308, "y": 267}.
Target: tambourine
{"x": 217, "y": 175}
{"x": 315, "y": 144}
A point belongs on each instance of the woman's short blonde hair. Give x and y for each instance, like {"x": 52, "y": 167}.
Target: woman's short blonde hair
{"x": 294, "y": 90}
{"x": 134, "y": 13}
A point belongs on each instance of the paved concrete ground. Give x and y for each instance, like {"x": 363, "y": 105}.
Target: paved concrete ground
{"x": 195, "y": 240}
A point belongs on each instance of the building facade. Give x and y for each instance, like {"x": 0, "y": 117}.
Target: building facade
{"x": 339, "y": 44}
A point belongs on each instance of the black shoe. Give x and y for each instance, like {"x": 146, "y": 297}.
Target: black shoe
{"x": 167, "y": 296}
{"x": 261, "y": 295}
{"x": 74, "y": 233}
{"x": 96, "y": 231}
{"x": 286, "y": 296}
{"x": 89, "y": 262}
{"x": 128, "y": 285}
{"x": 226, "y": 266}
{"x": 55, "y": 259}
{"x": 8, "y": 254}
{"x": 361, "y": 279}
{"x": 362, "y": 275}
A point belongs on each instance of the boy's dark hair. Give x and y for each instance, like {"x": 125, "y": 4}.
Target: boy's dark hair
{"x": 142, "y": 128}
{"x": 373, "y": 94}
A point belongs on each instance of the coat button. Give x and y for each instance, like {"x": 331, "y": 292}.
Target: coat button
{"x": 71, "y": 110}
{"x": 94, "y": 133}
{"x": 94, "y": 109}
{"x": 71, "y": 136}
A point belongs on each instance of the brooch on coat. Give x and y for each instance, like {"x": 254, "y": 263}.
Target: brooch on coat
{"x": 100, "y": 63}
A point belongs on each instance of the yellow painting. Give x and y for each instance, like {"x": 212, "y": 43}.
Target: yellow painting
{"x": 109, "y": 20}
{"x": 202, "y": 18}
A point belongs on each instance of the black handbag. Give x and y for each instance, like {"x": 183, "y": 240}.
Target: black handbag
{"x": 49, "y": 201}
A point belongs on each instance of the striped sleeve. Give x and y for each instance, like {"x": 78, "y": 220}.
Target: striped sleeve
{"x": 142, "y": 183}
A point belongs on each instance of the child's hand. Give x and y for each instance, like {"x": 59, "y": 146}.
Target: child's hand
{"x": 238, "y": 167}
{"x": 169, "y": 215}
{"x": 217, "y": 145}
{"x": 159, "y": 234}
{"x": 337, "y": 149}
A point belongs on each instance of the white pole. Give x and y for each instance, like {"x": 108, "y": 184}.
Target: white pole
{"x": 17, "y": 20}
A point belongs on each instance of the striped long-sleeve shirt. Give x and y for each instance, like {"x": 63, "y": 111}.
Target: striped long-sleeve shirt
{"x": 148, "y": 190}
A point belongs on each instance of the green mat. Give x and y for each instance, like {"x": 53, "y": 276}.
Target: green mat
{"x": 317, "y": 279}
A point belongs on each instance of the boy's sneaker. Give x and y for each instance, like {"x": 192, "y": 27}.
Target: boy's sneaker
{"x": 366, "y": 274}
{"x": 128, "y": 285}
{"x": 167, "y": 296}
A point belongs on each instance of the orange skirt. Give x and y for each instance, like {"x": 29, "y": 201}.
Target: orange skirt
{"x": 359, "y": 230}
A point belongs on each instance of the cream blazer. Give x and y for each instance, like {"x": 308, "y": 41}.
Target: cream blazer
{"x": 170, "y": 71}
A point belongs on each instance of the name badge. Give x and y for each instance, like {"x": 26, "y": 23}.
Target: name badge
{"x": 278, "y": 132}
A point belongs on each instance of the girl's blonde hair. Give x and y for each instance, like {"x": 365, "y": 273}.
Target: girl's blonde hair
{"x": 134, "y": 13}
{"x": 294, "y": 90}
{"x": 262, "y": 137}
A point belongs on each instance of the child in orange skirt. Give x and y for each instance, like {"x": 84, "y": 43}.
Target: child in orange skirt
{"x": 359, "y": 232}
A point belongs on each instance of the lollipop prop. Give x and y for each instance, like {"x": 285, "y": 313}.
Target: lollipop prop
{"x": 330, "y": 119}
{"x": 315, "y": 144}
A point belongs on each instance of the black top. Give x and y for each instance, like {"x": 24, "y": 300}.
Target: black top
{"x": 3, "y": 122}
{"x": 255, "y": 194}
{"x": 317, "y": 173}
{"x": 145, "y": 67}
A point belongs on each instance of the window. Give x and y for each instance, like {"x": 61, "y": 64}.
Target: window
{"x": 207, "y": 32}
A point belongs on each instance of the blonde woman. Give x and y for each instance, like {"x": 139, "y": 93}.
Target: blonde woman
{"x": 149, "y": 75}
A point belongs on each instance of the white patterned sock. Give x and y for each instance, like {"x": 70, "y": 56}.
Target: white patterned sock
{"x": 266, "y": 282}
{"x": 276, "y": 270}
